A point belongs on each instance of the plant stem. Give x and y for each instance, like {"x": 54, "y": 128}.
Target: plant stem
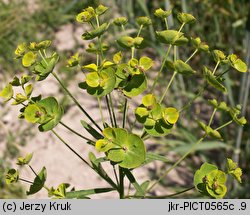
{"x": 123, "y": 28}
{"x": 100, "y": 108}
{"x": 163, "y": 196}
{"x": 191, "y": 56}
{"x": 45, "y": 61}
{"x": 193, "y": 99}
{"x": 212, "y": 117}
{"x": 27, "y": 181}
{"x": 139, "y": 32}
{"x": 75, "y": 101}
{"x": 216, "y": 66}
{"x": 125, "y": 113}
{"x": 109, "y": 110}
{"x": 224, "y": 125}
{"x": 31, "y": 182}
{"x": 97, "y": 59}
{"x": 112, "y": 108}
{"x": 169, "y": 84}
{"x": 129, "y": 187}
{"x": 75, "y": 132}
{"x": 161, "y": 69}
{"x": 71, "y": 149}
{"x": 181, "y": 27}
{"x": 121, "y": 184}
{"x": 132, "y": 52}
{"x": 116, "y": 177}
{"x": 166, "y": 23}
{"x": 32, "y": 170}
{"x": 176, "y": 163}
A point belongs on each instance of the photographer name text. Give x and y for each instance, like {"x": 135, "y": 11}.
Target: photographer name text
{"x": 42, "y": 207}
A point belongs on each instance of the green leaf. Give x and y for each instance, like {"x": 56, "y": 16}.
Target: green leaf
{"x": 125, "y": 148}
{"x": 215, "y": 186}
{"x": 91, "y": 130}
{"x": 126, "y": 42}
{"x": 150, "y": 157}
{"x": 196, "y": 42}
{"x": 89, "y": 35}
{"x": 59, "y": 192}
{"x": 96, "y": 164}
{"x": 144, "y": 186}
{"x": 15, "y": 82}
{"x": 171, "y": 37}
{"x": 12, "y": 176}
{"x": 183, "y": 68}
{"x": 73, "y": 60}
{"x": 117, "y": 57}
{"x": 29, "y": 59}
{"x": 237, "y": 63}
{"x": 25, "y": 79}
{"x": 145, "y": 63}
{"x": 28, "y": 90}
{"x": 106, "y": 82}
{"x": 19, "y": 99}
{"x": 101, "y": 9}
{"x": 104, "y": 145}
{"x": 21, "y": 161}
{"x": 209, "y": 131}
{"x": 79, "y": 194}
{"x": 218, "y": 55}
{"x": 131, "y": 178}
{"x": 136, "y": 85}
{"x": 92, "y": 48}
{"x": 92, "y": 79}
{"x": 139, "y": 43}
{"x": 86, "y": 15}
{"x": 21, "y": 49}
{"x": 120, "y": 21}
{"x": 234, "y": 170}
{"x": 91, "y": 67}
{"x": 149, "y": 101}
{"x": 200, "y": 177}
{"x": 44, "y": 44}
{"x": 185, "y": 18}
{"x": 235, "y": 112}
{"x": 54, "y": 113}
{"x": 211, "y": 80}
{"x": 44, "y": 68}
{"x": 170, "y": 115}
{"x": 38, "y": 182}
{"x": 7, "y": 93}
{"x": 162, "y": 14}
{"x": 143, "y": 20}
{"x": 33, "y": 113}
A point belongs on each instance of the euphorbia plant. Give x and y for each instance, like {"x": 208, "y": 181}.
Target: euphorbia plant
{"x": 121, "y": 146}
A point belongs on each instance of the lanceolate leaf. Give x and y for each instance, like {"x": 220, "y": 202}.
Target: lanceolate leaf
{"x": 89, "y": 35}
{"x": 91, "y": 130}
{"x": 38, "y": 182}
{"x": 211, "y": 80}
{"x": 81, "y": 194}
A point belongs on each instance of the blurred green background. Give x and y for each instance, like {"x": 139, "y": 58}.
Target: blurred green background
{"x": 223, "y": 25}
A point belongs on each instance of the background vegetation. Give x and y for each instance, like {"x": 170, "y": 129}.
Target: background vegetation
{"x": 222, "y": 24}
